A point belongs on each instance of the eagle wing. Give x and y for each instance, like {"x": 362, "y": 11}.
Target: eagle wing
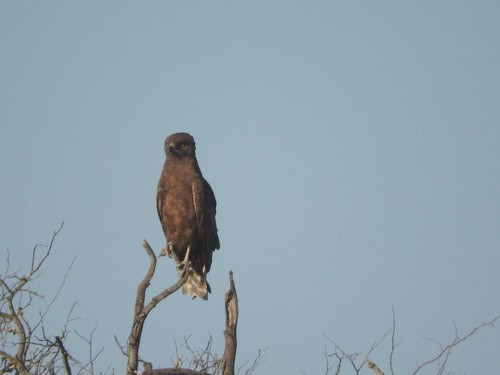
{"x": 205, "y": 207}
{"x": 159, "y": 201}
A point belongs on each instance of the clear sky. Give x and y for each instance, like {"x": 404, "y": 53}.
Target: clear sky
{"x": 353, "y": 147}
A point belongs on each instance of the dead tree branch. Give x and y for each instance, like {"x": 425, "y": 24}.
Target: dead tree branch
{"x": 393, "y": 342}
{"x": 141, "y": 310}
{"x": 258, "y": 360}
{"x": 231, "y": 301}
{"x": 445, "y": 350}
{"x": 174, "y": 371}
{"x": 26, "y": 347}
{"x": 17, "y": 332}
{"x": 341, "y": 356}
{"x": 203, "y": 360}
{"x": 335, "y": 359}
{"x": 374, "y": 367}
{"x": 64, "y": 355}
{"x": 89, "y": 366}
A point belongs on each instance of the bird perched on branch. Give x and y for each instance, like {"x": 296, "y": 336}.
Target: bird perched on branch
{"x": 186, "y": 206}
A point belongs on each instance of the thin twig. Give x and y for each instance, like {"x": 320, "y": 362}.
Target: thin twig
{"x": 257, "y": 361}
{"x": 454, "y": 343}
{"x": 393, "y": 343}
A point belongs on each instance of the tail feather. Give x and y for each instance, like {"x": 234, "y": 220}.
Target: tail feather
{"x": 196, "y": 285}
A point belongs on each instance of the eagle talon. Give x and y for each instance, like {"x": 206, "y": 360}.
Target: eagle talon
{"x": 183, "y": 269}
{"x": 182, "y": 266}
{"x": 185, "y": 262}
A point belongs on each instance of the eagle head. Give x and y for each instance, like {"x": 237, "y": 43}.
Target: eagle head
{"x": 180, "y": 145}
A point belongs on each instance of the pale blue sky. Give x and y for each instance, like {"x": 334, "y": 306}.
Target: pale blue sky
{"x": 353, "y": 147}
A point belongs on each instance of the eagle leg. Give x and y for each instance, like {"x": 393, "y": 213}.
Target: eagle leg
{"x": 185, "y": 262}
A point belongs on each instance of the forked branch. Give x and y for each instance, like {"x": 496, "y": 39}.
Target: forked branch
{"x": 445, "y": 351}
{"x": 335, "y": 360}
{"x": 141, "y": 310}
{"x": 16, "y": 332}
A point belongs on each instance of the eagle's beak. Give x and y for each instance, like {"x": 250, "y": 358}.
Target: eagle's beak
{"x": 170, "y": 148}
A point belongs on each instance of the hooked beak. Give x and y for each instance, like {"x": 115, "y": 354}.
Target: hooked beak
{"x": 170, "y": 148}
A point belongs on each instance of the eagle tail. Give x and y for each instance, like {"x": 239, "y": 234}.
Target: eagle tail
{"x": 196, "y": 285}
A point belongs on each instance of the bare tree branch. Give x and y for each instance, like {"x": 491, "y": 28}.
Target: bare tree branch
{"x": 174, "y": 371}
{"x": 458, "y": 339}
{"x": 14, "y": 314}
{"x": 259, "y": 359}
{"x": 120, "y": 346}
{"x": 441, "y": 359}
{"x": 341, "y": 355}
{"x": 393, "y": 341}
{"x": 89, "y": 366}
{"x": 141, "y": 311}
{"x": 25, "y": 346}
{"x": 374, "y": 367}
{"x": 35, "y": 266}
{"x": 64, "y": 355}
{"x": 231, "y": 302}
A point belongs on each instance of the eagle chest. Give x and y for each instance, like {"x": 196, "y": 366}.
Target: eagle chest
{"x": 180, "y": 212}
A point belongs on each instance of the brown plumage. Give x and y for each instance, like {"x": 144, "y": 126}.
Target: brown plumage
{"x": 186, "y": 207}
